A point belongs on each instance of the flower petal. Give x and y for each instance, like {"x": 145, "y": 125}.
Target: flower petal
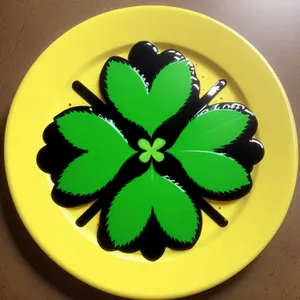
{"x": 145, "y": 157}
{"x": 158, "y": 156}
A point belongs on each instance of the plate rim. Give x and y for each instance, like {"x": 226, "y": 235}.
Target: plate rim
{"x": 147, "y": 7}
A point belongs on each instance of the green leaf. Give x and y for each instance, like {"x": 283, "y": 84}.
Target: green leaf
{"x": 131, "y": 209}
{"x": 127, "y": 89}
{"x": 87, "y": 131}
{"x": 106, "y": 152}
{"x": 170, "y": 89}
{"x": 175, "y": 211}
{"x": 214, "y": 172}
{"x": 212, "y": 130}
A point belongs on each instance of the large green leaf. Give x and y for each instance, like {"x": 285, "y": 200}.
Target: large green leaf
{"x": 129, "y": 212}
{"x": 214, "y": 172}
{"x": 175, "y": 211}
{"x": 212, "y": 130}
{"x": 106, "y": 152}
{"x": 128, "y": 90}
{"x": 87, "y": 131}
{"x": 131, "y": 209}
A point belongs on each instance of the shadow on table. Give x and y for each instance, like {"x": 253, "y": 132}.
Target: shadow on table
{"x": 55, "y": 275}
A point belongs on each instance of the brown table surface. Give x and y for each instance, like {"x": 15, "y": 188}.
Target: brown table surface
{"x": 27, "y": 27}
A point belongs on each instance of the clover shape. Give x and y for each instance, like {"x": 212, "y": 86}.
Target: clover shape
{"x": 149, "y": 155}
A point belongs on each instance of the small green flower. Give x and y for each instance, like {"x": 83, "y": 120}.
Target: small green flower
{"x": 151, "y": 150}
{"x": 151, "y": 154}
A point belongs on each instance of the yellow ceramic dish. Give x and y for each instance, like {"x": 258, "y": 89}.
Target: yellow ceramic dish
{"x": 218, "y": 52}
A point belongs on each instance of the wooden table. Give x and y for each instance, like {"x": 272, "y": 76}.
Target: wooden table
{"x": 27, "y": 27}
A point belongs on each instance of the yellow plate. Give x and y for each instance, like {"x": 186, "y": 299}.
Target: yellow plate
{"x": 218, "y": 52}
